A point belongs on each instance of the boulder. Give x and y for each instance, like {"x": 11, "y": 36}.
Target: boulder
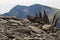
{"x": 35, "y": 29}
{"x": 46, "y": 27}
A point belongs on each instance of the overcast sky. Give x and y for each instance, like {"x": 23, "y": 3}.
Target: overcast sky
{"x": 6, "y": 5}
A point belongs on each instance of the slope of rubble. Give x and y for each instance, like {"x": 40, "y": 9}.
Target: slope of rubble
{"x": 12, "y": 28}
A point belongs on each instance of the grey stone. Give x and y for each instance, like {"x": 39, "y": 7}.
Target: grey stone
{"x": 23, "y": 29}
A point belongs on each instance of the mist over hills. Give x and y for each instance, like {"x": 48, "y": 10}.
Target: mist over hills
{"x": 22, "y": 11}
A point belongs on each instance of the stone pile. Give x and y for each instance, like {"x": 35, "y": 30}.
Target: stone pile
{"x": 12, "y": 28}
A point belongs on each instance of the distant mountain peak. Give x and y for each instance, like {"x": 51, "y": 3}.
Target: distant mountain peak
{"x": 20, "y": 6}
{"x": 36, "y": 5}
{"x": 21, "y": 11}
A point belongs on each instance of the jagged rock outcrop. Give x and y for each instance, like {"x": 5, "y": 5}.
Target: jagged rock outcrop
{"x": 45, "y": 18}
{"x": 12, "y": 28}
{"x": 39, "y": 18}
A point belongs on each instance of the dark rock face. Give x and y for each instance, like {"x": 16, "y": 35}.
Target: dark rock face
{"x": 12, "y": 28}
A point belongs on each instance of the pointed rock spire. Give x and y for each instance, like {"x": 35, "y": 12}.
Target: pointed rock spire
{"x": 54, "y": 22}
{"x": 38, "y": 14}
{"x": 45, "y": 18}
{"x": 38, "y": 17}
{"x": 53, "y": 18}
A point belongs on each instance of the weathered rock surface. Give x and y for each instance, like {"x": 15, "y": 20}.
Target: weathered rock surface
{"x": 12, "y": 28}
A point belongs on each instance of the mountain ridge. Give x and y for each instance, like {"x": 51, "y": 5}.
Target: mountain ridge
{"x": 35, "y": 6}
{"x": 22, "y": 11}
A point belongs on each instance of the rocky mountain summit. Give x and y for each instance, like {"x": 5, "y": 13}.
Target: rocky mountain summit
{"x": 12, "y": 28}
{"x": 21, "y": 11}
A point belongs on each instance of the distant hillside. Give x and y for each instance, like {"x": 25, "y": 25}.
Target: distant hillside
{"x": 22, "y": 11}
